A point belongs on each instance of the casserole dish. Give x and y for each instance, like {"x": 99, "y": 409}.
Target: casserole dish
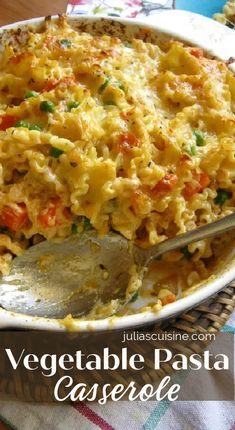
{"x": 216, "y": 41}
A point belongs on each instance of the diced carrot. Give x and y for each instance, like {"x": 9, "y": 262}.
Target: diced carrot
{"x": 127, "y": 142}
{"x": 167, "y": 183}
{"x": 53, "y": 215}
{"x": 197, "y": 52}
{"x": 139, "y": 202}
{"x": 168, "y": 299}
{"x": 7, "y": 121}
{"x": 51, "y": 84}
{"x": 197, "y": 86}
{"x": 14, "y": 217}
{"x": 202, "y": 180}
{"x": 16, "y": 59}
{"x": 124, "y": 115}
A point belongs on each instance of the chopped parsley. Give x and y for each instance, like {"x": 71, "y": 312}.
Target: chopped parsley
{"x": 74, "y": 228}
{"x": 22, "y": 123}
{"x": 72, "y": 105}
{"x": 25, "y": 124}
{"x": 35, "y": 127}
{"x": 56, "y": 152}
{"x": 111, "y": 205}
{"x": 121, "y": 87}
{"x": 193, "y": 150}
{"x": 65, "y": 43}
{"x": 104, "y": 85}
{"x": 200, "y": 137}
{"x": 222, "y": 196}
{"x": 110, "y": 103}
{"x": 134, "y": 297}
{"x": 86, "y": 223}
{"x": 188, "y": 255}
{"x": 190, "y": 150}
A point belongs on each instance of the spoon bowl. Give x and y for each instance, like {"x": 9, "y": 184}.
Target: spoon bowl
{"x": 72, "y": 277}
{"x": 85, "y": 275}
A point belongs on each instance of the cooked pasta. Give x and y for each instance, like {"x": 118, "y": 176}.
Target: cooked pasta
{"x": 228, "y": 15}
{"x": 96, "y": 132}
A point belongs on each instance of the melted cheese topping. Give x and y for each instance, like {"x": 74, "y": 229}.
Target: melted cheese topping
{"x": 137, "y": 138}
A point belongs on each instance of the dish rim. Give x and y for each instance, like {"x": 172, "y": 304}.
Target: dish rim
{"x": 9, "y": 319}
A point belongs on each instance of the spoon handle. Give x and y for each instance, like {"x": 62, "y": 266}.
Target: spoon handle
{"x": 225, "y": 224}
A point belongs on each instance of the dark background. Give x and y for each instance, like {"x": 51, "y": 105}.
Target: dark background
{"x": 18, "y": 10}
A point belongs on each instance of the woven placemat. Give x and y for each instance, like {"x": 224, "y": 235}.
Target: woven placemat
{"x": 209, "y": 317}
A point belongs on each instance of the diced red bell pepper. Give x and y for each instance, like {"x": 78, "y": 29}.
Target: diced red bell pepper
{"x": 14, "y": 217}
{"x": 167, "y": 183}
{"x": 53, "y": 215}
{"x": 202, "y": 181}
{"x": 127, "y": 141}
{"x": 7, "y": 121}
{"x": 197, "y": 52}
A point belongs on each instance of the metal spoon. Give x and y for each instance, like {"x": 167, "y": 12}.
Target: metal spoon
{"x": 56, "y": 279}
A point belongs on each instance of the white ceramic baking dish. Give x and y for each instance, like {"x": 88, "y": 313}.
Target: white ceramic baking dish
{"x": 196, "y": 30}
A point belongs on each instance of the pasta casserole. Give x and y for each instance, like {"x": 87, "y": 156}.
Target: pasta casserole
{"x": 97, "y": 132}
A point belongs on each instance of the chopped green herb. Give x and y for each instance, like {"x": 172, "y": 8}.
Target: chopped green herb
{"x": 47, "y": 106}
{"x": 110, "y": 103}
{"x": 25, "y": 124}
{"x": 111, "y": 205}
{"x": 73, "y": 105}
{"x": 104, "y": 85}
{"x": 65, "y": 43}
{"x": 22, "y": 123}
{"x": 86, "y": 223}
{"x": 188, "y": 255}
{"x": 74, "y": 228}
{"x": 56, "y": 152}
{"x": 35, "y": 127}
{"x": 200, "y": 138}
{"x": 222, "y": 196}
{"x": 134, "y": 297}
{"x": 192, "y": 150}
{"x": 121, "y": 87}
{"x": 29, "y": 94}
